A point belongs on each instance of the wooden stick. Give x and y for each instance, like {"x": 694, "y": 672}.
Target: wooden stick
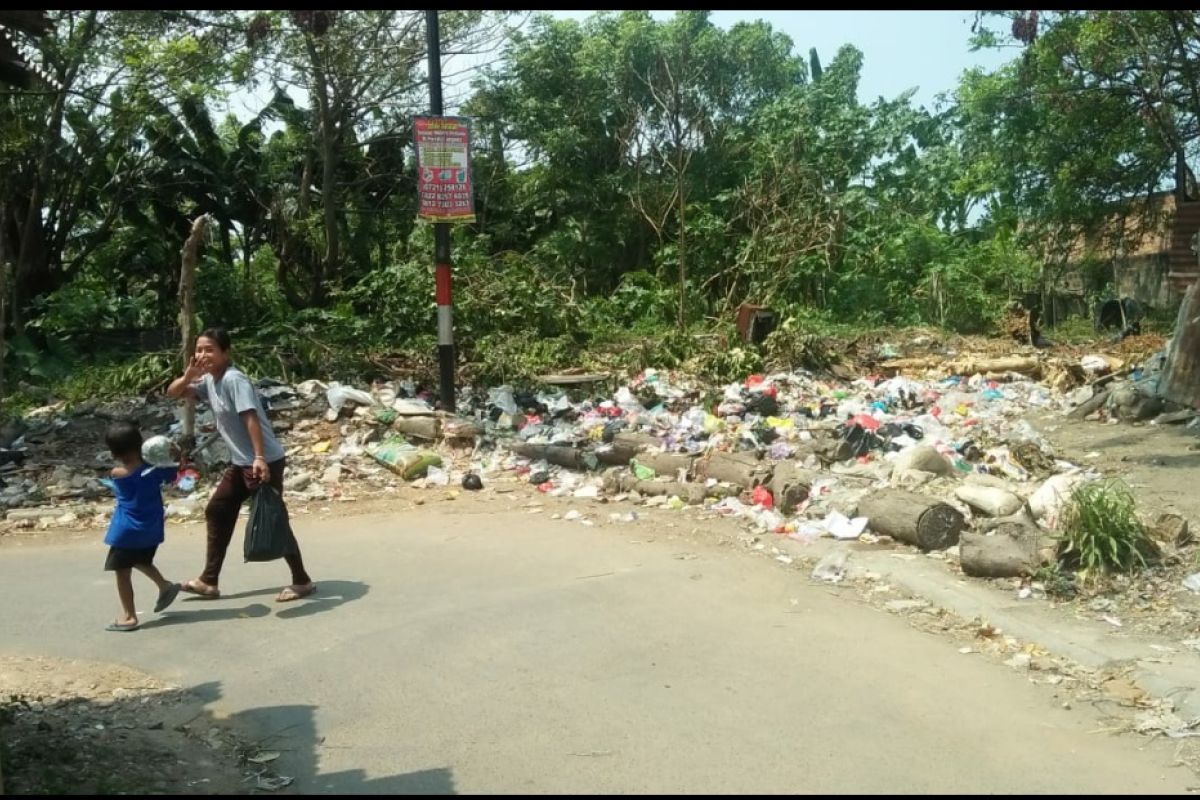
{"x": 187, "y": 316}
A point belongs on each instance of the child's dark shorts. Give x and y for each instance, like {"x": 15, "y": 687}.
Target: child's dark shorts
{"x": 126, "y": 558}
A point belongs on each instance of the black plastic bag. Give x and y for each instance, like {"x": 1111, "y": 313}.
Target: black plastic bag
{"x": 268, "y": 532}
{"x": 861, "y": 440}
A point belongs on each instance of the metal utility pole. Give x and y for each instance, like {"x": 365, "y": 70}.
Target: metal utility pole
{"x": 441, "y": 232}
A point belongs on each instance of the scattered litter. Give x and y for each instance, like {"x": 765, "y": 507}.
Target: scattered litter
{"x": 1021, "y": 661}
{"x": 436, "y": 476}
{"x": 832, "y": 568}
{"x": 273, "y": 783}
{"x": 265, "y": 757}
{"x": 903, "y": 606}
{"x": 1166, "y": 722}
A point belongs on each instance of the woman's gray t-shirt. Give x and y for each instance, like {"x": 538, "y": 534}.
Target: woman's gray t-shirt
{"x": 230, "y": 397}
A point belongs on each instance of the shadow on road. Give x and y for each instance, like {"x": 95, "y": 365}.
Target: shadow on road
{"x": 187, "y": 616}
{"x": 170, "y": 742}
{"x": 292, "y": 731}
{"x": 329, "y": 595}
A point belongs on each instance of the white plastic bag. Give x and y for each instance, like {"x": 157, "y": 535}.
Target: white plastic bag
{"x": 156, "y": 451}
{"x": 832, "y": 568}
{"x": 338, "y": 395}
{"x": 1048, "y": 501}
{"x": 502, "y": 398}
{"x": 989, "y": 500}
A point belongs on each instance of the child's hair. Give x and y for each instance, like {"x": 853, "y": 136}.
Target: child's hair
{"x": 124, "y": 439}
{"x": 218, "y": 335}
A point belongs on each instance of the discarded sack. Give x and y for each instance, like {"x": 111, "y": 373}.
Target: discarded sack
{"x": 338, "y": 395}
{"x": 403, "y": 459}
{"x": 472, "y": 482}
{"x": 268, "y": 532}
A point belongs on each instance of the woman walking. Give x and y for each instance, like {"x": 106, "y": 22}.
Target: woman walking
{"x": 256, "y": 454}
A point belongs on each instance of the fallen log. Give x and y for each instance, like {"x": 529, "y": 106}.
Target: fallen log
{"x": 1091, "y": 405}
{"x": 790, "y": 485}
{"x": 902, "y": 364}
{"x": 668, "y": 465}
{"x": 625, "y": 447}
{"x": 967, "y": 365}
{"x": 692, "y": 493}
{"x": 1010, "y": 549}
{"x": 1019, "y": 364}
{"x": 563, "y": 455}
{"x": 742, "y": 469}
{"x": 913, "y": 518}
{"x": 1111, "y": 376}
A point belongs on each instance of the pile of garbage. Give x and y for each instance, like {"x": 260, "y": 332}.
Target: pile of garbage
{"x": 934, "y": 452}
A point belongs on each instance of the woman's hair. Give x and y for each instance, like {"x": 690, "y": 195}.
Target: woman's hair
{"x": 218, "y": 335}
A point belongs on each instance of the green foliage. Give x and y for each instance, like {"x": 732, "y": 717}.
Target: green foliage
{"x": 116, "y": 379}
{"x": 730, "y": 365}
{"x": 41, "y": 360}
{"x": 1101, "y": 531}
{"x": 621, "y": 164}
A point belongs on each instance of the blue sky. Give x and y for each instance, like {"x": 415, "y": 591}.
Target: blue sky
{"x": 901, "y": 49}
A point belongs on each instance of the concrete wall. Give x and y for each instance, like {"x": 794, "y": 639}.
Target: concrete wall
{"x": 1144, "y": 278}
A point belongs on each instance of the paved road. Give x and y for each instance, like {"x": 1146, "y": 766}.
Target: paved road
{"x": 508, "y": 653}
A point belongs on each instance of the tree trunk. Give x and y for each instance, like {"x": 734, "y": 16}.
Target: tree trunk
{"x": 187, "y": 316}
{"x": 625, "y": 447}
{"x": 560, "y": 455}
{"x": 740, "y": 469}
{"x": 328, "y": 142}
{"x": 1180, "y": 382}
{"x": 3, "y": 299}
{"x": 913, "y": 518}
{"x": 790, "y": 486}
{"x": 1010, "y": 549}
{"x": 30, "y": 277}
{"x": 691, "y": 493}
{"x": 1090, "y": 405}
{"x": 681, "y": 188}
{"x": 668, "y": 465}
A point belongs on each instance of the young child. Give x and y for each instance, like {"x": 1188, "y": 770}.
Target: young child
{"x": 137, "y": 524}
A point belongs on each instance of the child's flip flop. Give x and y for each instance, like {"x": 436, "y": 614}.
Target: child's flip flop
{"x": 119, "y": 628}
{"x": 166, "y": 597}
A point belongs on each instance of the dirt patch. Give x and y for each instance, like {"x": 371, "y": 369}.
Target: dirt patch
{"x": 1159, "y": 464}
{"x": 76, "y": 727}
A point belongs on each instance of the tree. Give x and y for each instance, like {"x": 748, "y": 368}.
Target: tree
{"x": 360, "y": 73}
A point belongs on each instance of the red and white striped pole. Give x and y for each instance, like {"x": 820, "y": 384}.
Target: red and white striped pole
{"x": 445, "y": 317}
{"x": 441, "y": 232}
